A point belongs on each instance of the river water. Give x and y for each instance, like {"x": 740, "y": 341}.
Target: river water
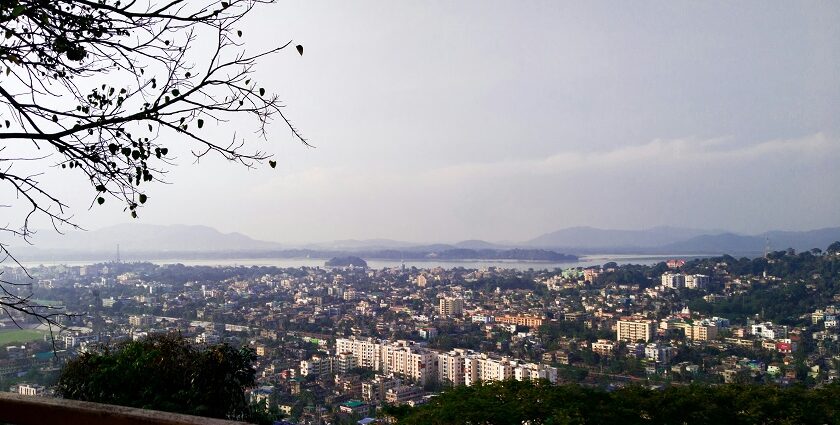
{"x": 583, "y": 261}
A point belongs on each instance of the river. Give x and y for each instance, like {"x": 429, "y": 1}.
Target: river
{"x": 583, "y": 261}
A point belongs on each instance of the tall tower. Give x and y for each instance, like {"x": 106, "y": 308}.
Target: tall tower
{"x": 118, "y": 253}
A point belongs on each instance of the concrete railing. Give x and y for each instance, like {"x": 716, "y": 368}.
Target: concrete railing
{"x": 30, "y": 410}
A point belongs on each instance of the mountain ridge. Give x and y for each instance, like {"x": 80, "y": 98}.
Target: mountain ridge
{"x": 141, "y": 237}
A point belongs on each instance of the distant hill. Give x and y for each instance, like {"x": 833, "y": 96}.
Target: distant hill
{"x": 146, "y": 238}
{"x": 671, "y": 240}
{"x": 778, "y": 240}
{"x": 147, "y": 241}
{"x": 140, "y": 241}
{"x": 354, "y": 244}
{"x": 478, "y": 244}
{"x": 346, "y": 261}
{"x": 593, "y": 238}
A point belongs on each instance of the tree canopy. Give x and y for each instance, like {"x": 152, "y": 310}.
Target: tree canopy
{"x": 164, "y": 372}
{"x": 514, "y": 402}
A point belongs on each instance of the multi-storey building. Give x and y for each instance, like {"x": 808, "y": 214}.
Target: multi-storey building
{"x": 603, "y": 347}
{"x": 632, "y": 330}
{"x": 402, "y": 394}
{"x": 400, "y": 357}
{"x": 449, "y": 307}
{"x": 521, "y": 320}
{"x": 768, "y": 330}
{"x": 405, "y": 359}
{"x": 375, "y": 389}
{"x": 659, "y": 353}
{"x": 450, "y": 366}
{"x": 534, "y": 372}
{"x": 673, "y": 280}
{"x": 317, "y": 365}
{"x": 702, "y": 332}
{"x": 366, "y": 351}
{"x": 481, "y": 367}
{"x": 697, "y": 281}
{"x": 344, "y": 362}
{"x": 143, "y": 321}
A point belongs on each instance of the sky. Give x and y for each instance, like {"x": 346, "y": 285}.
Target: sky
{"x": 442, "y": 121}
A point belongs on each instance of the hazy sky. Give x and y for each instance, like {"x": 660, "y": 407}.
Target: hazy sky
{"x": 441, "y": 121}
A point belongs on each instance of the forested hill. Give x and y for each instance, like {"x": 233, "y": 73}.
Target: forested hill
{"x": 782, "y": 287}
{"x": 515, "y": 402}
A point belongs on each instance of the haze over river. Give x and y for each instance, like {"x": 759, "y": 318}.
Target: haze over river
{"x": 584, "y": 261}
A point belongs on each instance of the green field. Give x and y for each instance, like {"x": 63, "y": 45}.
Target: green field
{"x": 48, "y": 302}
{"x": 20, "y": 335}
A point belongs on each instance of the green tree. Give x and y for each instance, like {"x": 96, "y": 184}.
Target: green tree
{"x": 164, "y": 372}
{"x": 513, "y": 402}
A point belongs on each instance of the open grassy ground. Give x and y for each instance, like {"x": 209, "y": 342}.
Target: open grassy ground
{"x": 19, "y": 335}
{"x": 48, "y": 302}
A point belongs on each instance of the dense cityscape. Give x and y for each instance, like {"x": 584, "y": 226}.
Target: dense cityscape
{"x": 337, "y": 344}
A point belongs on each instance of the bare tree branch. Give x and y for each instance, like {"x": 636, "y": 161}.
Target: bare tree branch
{"x": 95, "y": 87}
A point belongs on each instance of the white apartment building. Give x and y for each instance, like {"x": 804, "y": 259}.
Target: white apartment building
{"x": 451, "y": 366}
{"x": 317, "y": 366}
{"x": 376, "y": 389}
{"x": 400, "y": 357}
{"x": 659, "y": 353}
{"x": 344, "y": 362}
{"x": 673, "y": 280}
{"x": 366, "y": 351}
{"x": 406, "y": 359}
{"x": 480, "y": 367}
{"x": 697, "y": 281}
{"x": 422, "y": 365}
{"x": 534, "y": 372}
{"x": 768, "y": 330}
{"x": 604, "y": 347}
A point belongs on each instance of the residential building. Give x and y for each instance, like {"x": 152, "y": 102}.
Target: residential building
{"x": 402, "y": 394}
{"x": 521, "y": 320}
{"x": 317, "y": 366}
{"x": 450, "y": 307}
{"x": 673, "y": 280}
{"x": 634, "y": 330}
{"x": 697, "y": 281}
{"x": 450, "y": 366}
{"x": 604, "y": 347}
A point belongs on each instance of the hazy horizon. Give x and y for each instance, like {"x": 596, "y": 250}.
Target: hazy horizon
{"x": 502, "y": 121}
{"x": 297, "y": 243}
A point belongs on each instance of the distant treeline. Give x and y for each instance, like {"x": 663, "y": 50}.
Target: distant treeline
{"x": 470, "y": 254}
{"x": 449, "y": 254}
{"x": 514, "y": 402}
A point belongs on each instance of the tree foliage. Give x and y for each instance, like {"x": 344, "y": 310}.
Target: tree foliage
{"x": 103, "y": 89}
{"x": 513, "y": 402}
{"x": 805, "y": 282}
{"x": 164, "y": 372}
